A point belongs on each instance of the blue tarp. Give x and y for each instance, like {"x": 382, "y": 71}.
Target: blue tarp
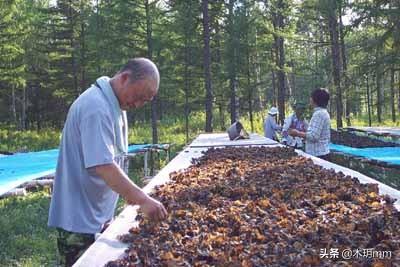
{"x": 386, "y": 154}
{"x": 23, "y": 167}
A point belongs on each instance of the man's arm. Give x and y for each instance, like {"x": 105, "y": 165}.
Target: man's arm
{"x": 286, "y": 126}
{"x": 298, "y": 133}
{"x": 265, "y": 127}
{"x": 275, "y": 125}
{"x": 120, "y": 183}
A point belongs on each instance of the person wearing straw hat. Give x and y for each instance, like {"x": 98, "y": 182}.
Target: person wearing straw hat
{"x": 295, "y": 121}
{"x": 270, "y": 125}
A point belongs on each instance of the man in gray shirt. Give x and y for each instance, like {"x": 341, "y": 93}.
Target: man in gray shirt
{"x": 89, "y": 175}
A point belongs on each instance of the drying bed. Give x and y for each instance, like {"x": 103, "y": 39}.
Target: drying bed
{"x": 263, "y": 206}
{"x": 358, "y": 141}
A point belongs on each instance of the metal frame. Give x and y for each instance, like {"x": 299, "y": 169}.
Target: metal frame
{"x": 145, "y": 151}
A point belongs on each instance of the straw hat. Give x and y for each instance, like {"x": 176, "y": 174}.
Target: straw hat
{"x": 273, "y": 111}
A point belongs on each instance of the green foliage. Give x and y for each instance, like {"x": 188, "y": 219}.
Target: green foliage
{"x": 53, "y": 50}
{"x": 12, "y": 140}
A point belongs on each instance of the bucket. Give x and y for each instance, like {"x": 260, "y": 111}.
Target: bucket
{"x": 236, "y": 131}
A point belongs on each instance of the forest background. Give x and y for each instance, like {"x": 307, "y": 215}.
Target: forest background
{"x": 220, "y": 61}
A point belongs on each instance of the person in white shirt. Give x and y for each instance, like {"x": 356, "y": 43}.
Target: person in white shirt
{"x": 270, "y": 125}
{"x": 318, "y": 134}
{"x": 295, "y": 121}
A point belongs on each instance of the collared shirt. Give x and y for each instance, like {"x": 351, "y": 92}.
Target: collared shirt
{"x": 270, "y": 127}
{"x": 318, "y": 134}
{"x": 82, "y": 201}
{"x": 292, "y": 122}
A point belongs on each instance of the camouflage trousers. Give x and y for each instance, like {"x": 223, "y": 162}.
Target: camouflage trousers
{"x": 71, "y": 246}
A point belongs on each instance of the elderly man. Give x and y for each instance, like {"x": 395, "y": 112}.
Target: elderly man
{"x": 295, "y": 121}
{"x": 89, "y": 175}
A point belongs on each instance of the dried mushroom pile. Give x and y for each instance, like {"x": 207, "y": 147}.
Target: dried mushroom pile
{"x": 263, "y": 207}
{"x": 358, "y": 141}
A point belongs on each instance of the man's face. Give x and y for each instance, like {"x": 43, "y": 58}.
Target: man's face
{"x": 135, "y": 95}
{"x": 300, "y": 112}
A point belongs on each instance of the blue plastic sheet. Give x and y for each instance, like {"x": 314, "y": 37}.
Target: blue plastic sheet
{"x": 138, "y": 147}
{"x": 19, "y": 168}
{"x": 23, "y": 167}
{"x": 386, "y": 154}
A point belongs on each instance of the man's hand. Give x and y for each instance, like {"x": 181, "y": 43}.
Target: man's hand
{"x": 153, "y": 209}
{"x": 294, "y": 132}
{"x": 120, "y": 183}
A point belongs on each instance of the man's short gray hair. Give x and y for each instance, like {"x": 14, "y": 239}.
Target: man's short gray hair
{"x": 141, "y": 69}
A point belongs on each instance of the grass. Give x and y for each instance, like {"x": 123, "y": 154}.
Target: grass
{"x": 25, "y": 238}
{"x": 363, "y": 121}
{"x": 13, "y": 140}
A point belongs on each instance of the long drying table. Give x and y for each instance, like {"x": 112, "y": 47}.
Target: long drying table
{"x": 107, "y": 247}
{"x": 393, "y": 132}
{"x": 222, "y": 139}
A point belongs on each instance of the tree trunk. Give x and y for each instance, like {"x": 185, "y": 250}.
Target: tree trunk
{"x": 83, "y": 57}
{"x": 207, "y": 66}
{"x": 232, "y": 63}
{"x": 219, "y": 71}
{"x": 257, "y": 69}
{"x": 316, "y": 76}
{"x": 187, "y": 73}
{"x": 221, "y": 116}
{"x": 251, "y": 110}
{"x": 392, "y": 94}
{"x": 368, "y": 103}
{"x": 291, "y": 83}
{"x": 379, "y": 93}
{"x": 345, "y": 74}
{"x": 187, "y": 86}
{"x": 74, "y": 66}
{"x": 280, "y": 60}
{"x": 36, "y": 105}
{"x": 234, "y": 101}
{"x": 154, "y": 102}
{"x": 23, "y": 109}
{"x": 97, "y": 39}
{"x": 274, "y": 94}
{"x": 398, "y": 87}
{"x": 187, "y": 109}
{"x": 250, "y": 90}
{"x": 336, "y": 62}
{"x": 13, "y": 106}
